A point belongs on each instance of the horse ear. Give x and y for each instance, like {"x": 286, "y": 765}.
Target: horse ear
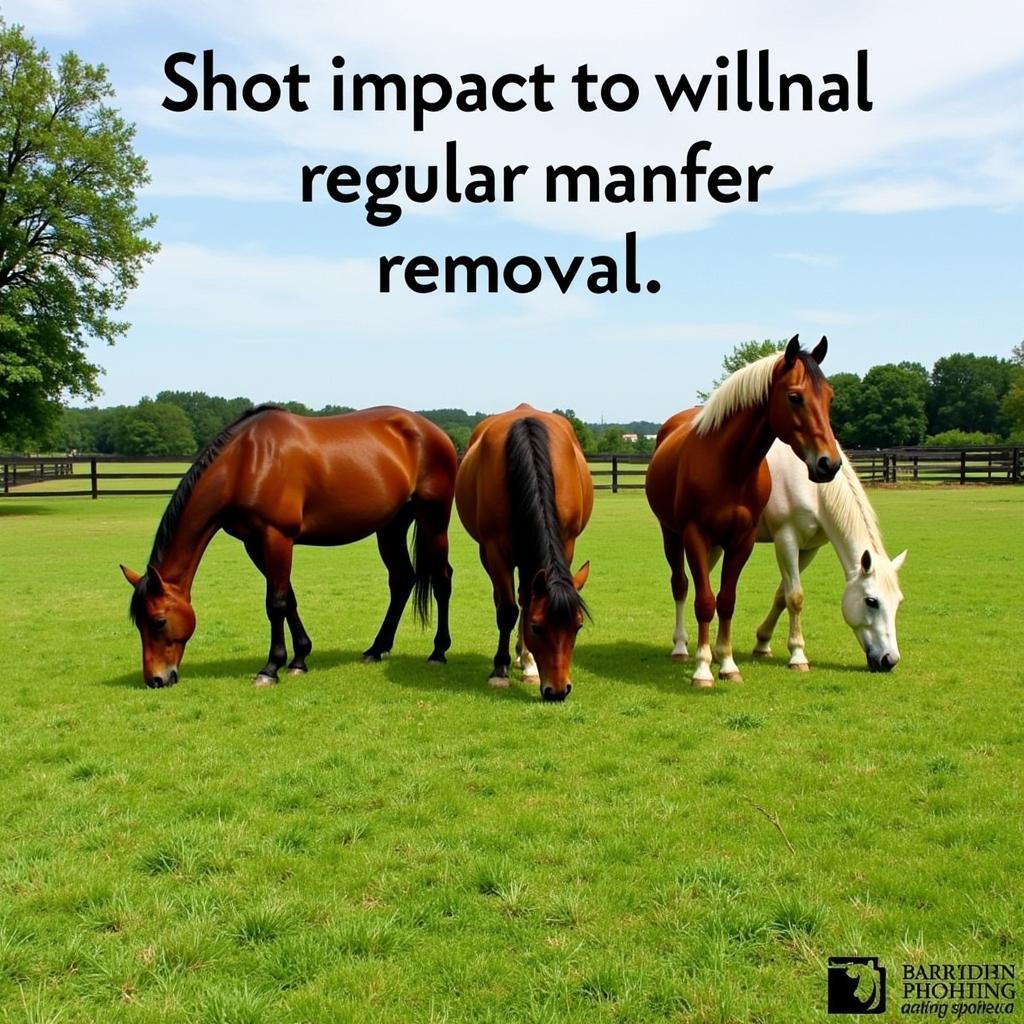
{"x": 792, "y": 350}
{"x": 156, "y": 581}
{"x": 540, "y": 584}
{"x": 819, "y": 351}
{"x": 897, "y": 562}
{"x": 865, "y": 562}
{"x": 130, "y": 575}
{"x": 582, "y": 574}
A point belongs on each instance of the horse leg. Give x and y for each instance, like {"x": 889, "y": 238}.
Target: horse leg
{"x": 301, "y": 643}
{"x": 675, "y": 556}
{"x": 506, "y": 610}
{"x": 432, "y": 544}
{"x": 787, "y": 554}
{"x": 394, "y": 552}
{"x": 795, "y": 605}
{"x": 703, "y": 603}
{"x": 302, "y": 646}
{"x": 735, "y": 559}
{"x": 277, "y": 559}
{"x": 524, "y": 659}
{"x": 763, "y": 647}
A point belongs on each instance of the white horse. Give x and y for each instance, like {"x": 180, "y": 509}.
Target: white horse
{"x": 802, "y": 517}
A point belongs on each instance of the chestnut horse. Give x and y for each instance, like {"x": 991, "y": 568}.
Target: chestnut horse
{"x": 273, "y": 479}
{"x": 708, "y": 483}
{"x": 524, "y": 494}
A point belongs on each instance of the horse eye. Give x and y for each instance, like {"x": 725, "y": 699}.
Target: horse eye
{"x": 795, "y": 398}
{"x": 871, "y": 602}
{"x": 159, "y": 623}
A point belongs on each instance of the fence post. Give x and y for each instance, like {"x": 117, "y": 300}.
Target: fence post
{"x": 1015, "y": 471}
{"x": 7, "y": 482}
{"x": 915, "y": 469}
{"x": 615, "y": 474}
{"x": 963, "y": 466}
{"x": 95, "y": 479}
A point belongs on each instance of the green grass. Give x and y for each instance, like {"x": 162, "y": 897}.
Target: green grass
{"x": 401, "y": 843}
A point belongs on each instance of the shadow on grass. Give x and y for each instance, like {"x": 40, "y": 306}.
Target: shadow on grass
{"x": 640, "y": 664}
{"x": 465, "y": 673}
{"x": 11, "y": 509}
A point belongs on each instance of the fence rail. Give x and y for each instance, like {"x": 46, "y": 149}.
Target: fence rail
{"x": 85, "y": 475}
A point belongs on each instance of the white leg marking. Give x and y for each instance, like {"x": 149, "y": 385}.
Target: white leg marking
{"x": 702, "y": 676}
{"x": 679, "y": 640}
{"x": 530, "y": 673}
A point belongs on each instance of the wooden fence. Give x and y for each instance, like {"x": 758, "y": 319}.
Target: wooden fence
{"x": 92, "y": 475}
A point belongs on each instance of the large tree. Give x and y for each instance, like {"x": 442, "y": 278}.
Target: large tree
{"x": 891, "y": 406}
{"x": 967, "y": 391}
{"x": 72, "y": 241}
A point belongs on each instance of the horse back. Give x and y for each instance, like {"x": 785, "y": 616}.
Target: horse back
{"x": 481, "y": 492}
{"x": 334, "y": 479}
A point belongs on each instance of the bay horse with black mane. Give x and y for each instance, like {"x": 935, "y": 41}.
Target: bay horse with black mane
{"x": 708, "y": 483}
{"x": 273, "y": 480}
{"x": 524, "y": 494}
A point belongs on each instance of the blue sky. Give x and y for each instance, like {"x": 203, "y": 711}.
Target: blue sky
{"x": 896, "y": 232}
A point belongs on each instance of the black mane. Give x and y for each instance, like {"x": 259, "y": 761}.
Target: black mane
{"x": 536, "y": 534}
{"x": 172, "y": 514}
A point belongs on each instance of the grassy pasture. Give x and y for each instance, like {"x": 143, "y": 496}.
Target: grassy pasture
{"x": 400, "y": 843}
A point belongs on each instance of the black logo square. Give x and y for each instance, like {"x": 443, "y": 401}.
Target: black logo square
{"x": 856, "y": 984}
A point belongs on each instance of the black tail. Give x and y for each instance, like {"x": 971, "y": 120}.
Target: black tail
{"x": 421, "y": 556}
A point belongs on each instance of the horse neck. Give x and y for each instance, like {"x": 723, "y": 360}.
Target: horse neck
{"x": 197, "y": 523}
{"x": 846, "y": 523}
{"x": 748, "y": 435}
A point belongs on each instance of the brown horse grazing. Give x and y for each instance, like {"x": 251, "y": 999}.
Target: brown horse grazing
{"x": 524, "y": 494}
{"x": 273, "y": 479}
{"x": 708, "y": 482}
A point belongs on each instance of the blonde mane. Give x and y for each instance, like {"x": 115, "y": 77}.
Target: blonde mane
{"x": 847, "y": 504}
{"x": 747, "y": 387}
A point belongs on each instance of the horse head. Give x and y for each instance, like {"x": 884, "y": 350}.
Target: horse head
{"x": 798, "y": 408}
{"x": 166, "y": 622}
{"x": 551, "y": 621}
{"x": 870, "y": 602}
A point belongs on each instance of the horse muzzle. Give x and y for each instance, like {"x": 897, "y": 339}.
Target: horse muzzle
{"x": 884, "y": 663}
{"x": 553, "y": 696}
{"x": 823, "y": 469}
{"x": 168, "y": 678}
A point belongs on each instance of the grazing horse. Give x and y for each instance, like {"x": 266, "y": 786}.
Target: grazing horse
{"x": 273, "y": 479}
{"x": 707, "y": 482}
{"x": 800, "y": 518}
{"x": 524, "y": 494}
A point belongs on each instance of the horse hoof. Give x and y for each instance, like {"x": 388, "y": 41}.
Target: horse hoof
{"x": 262, "y": 680}
{"x": 680, "y": 657}
{"x": 371, "y": 659}
{"x": 532, "y": 677}
{"x": 760, "y": 652}
{"x": 498, "y": 682}
{"x": 437, "y": 659}
{"x": 296, "y": 671}
{"x": 799, "y": 666}
{"x": 701, "y": 683}
{"x": 731, "y": 677}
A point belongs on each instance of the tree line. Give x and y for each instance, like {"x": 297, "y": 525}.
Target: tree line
{"x": 964, "y": 399}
